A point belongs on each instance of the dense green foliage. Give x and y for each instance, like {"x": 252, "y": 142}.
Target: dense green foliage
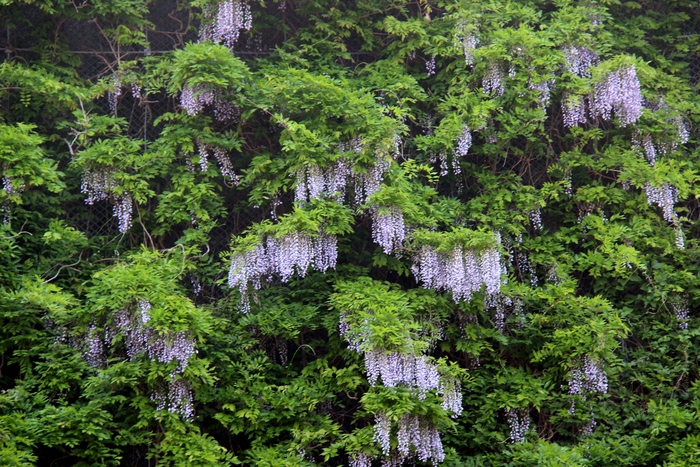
{"x": 456, "y": 107}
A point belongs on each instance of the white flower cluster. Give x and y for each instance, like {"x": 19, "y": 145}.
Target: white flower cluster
{"x": 519, "y": 421}
{"x": 643, "y": 143}
{"x": 368, "y": 183}
{"x": 160, "y": 347}
{"x": 177, "y": 398}
{"x": 123, "y": 208}
{"x": 194, "y": 99}
{"x": 98, "y": 185}
{"x": 94, "y": 350}
{"x": 402, "y": 369}
{"x": 680, "y": 308}
{"x": 221, "y": 157}
{"x": 535, "y": 216}
{"x": 460, "y": 271}
{"x": 683, "y": 129}
{"x": 573, "y": 109}
{"x": 621, "y": 93}
{"x": 413, "y": 431}
{"x": 579, "y": 60}
{"x": 394, "y": 369}
{"x": 544, "y": 88}
{"x": 451, "y": 390}
{"x": 360, "y": 459}
{"x": 498, "y": 303}
{"x": 113, "y": 96}
{"x": 430, "y": 66}
{"x": 225, "y": 26}
{"x": 283, "y": 256}
{"x": 313, "y": 182}
{"x": 388, "y": 229}
{"x": 493, "y": 80}
{"x": 664, "y": 197}
{"x": 176, "y": 347}
{"x": 136, "y": 91}
{"x": 587, "y": 377}
{"x": 418, "y": 432}
{"x": 469, "y": 43}
{"x": 464, "y": 142}
{"x": 589, "y": 427}
{"x": 11, "y": 190}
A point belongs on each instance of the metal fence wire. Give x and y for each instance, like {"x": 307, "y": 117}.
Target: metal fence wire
{"x": 170, "y": 26}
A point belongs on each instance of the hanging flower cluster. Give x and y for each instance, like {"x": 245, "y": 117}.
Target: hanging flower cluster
{"x": 360, "y": 459}
{"x": 621, "y": 93}
{"x": 493, "y": 80}
{"x": 498, "y": 303}
{"x": 579, "y": 60}
{"x": 368, "y": 183}
{"x": 283, "y": 257}
{"x": 402, "y": 369}
{"x": 313, "y": 182}
{"x": 464, "y": 142}
{"x": 10, "y": 190}
{"x": 98, "y": 185}
{"x": 535, "y": 216}
{"x": 176, "y": 397}
{"x": 393, "y": 369}
{"x": 664, "y": 197}
{"x": 194, "y": 99}
{"x": 544, "y": 88}
{"x": 388, "y": 229}
{"x": 469, "y": 43}
{"x": 643, "y": 144}
{"x": 680, "y": 308}
{"x": 573, "y": 109}
{"x": 587, "y": 377}
{"x": 178, "y": 347}
{"x": 225, "y": 25}
{"x": 430, "y": 66}
{"x": 460, "y": 271}
{"x": 412, "y": 431}
{"x": 221, "y": 157}
{"x": 519, "y": 421}
{"x": 114, "y": 94}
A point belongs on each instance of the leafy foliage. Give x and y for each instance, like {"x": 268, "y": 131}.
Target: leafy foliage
{"x": 459, "y": 232}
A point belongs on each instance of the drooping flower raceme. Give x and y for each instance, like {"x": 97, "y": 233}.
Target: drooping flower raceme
{"x": 680, "y": 308}
{"x": 544, "y": 89}
{"x": 226, "y": 23}
{"x": 388, "y": 229}
{"x": 195, "y": 99}
{"x": 313, "y": 182}
{"x": 588, "y": 376}
{"x": 579, "y": 60}
{"x": 294, "y": 252}
{"x": 162, "y": 347}
{"x": 11, "y": 188}
{"x": 464, "y": 142}
{"x": 493, "y": 80}
{"x": 98, "y": 184}
{"x": 460, "y": 271}
{"x": 573, "y": 109}
{"x": 519, "y": 421}
{"x": 664, "y": 197}
{"x": 619, "y": 92}
{"x": 413, "y": 432}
